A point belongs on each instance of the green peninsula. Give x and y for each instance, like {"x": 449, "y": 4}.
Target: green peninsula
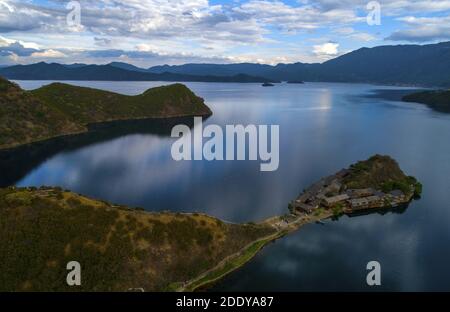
{"x": 60, "y": 109}
{"x": 119, "y": 248}
{"x": 122, "y": 248}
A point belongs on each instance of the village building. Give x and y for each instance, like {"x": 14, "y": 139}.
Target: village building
{"x": 366, "y": 202}
{"x": 396, "y": 197}
{"x": 330, "y": 201}
{"x": 305, "y": 208}
{"x": 397, "y": 194}
{"x": 357, "y": 193}
{"x": 330, "y": 191}
{"x": 379, "y": 194}
{"x": 333, "y": 188}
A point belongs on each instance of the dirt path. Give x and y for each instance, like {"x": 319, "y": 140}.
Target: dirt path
{"x": 243, "y": 253}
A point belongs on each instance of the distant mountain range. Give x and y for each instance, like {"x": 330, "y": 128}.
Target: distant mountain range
{"x": 423, "y": 65}
{"x": 420, "y": 65}
{"x": 110, "y": 72}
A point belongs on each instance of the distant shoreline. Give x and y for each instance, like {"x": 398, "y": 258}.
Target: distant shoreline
{"x": 433, "y": 98}
{"x": 413, "y": 87}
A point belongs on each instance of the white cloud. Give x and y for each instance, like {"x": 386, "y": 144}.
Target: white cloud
{"x": 327, "y": 49}
{"x": 388, "y": 7}
{"x": 18, "y": 48}
{"x": 5, "y": 41}
{"x": 205, "y": 30}
{"x": 351, "y": 33}
{"x": 4, "y": 4}
{"x": 289, "y": 18}
{"x": 423, "y": 29}
{"x": 238, "y": 30}
{"x": 401, "y": 7}
{"x": 195, "y": 19}
{"x": 361, "y": 36}
{"x": 344, "y": 30}
{"x": 48, "y": 54}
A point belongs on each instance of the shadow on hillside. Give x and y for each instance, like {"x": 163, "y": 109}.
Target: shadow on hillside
{"x": 18, "y": 162}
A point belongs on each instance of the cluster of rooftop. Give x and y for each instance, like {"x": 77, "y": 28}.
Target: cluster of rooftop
{"x": 333, "y": 193}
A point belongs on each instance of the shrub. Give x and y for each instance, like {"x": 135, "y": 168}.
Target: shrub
{"x": 338, "y": 210}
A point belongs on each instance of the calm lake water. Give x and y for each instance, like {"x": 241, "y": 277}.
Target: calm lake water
{"x": 323, "y": 128}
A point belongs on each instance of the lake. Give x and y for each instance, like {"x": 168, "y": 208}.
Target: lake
{"x": 323, "y": 128}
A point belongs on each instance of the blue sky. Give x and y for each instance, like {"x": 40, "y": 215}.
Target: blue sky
{"x": 153, "y": 32}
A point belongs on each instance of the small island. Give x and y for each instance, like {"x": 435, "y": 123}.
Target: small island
{"x": 60, "y": 109}
{"x": 125, "y": 249}
{"x": 268, "y": 84}
{"x": 438, "y": 100}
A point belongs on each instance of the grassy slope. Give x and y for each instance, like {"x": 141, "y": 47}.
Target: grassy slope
{"x": 58, "y": 109}
{"x": 118, "y": 248}
{"x": 438, "y": 100}
{"x": 86, "y": 105}
{"x": 24, "y": 118}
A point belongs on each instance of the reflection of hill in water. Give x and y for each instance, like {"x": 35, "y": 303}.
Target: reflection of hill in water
{"x": 16, "y": 163}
